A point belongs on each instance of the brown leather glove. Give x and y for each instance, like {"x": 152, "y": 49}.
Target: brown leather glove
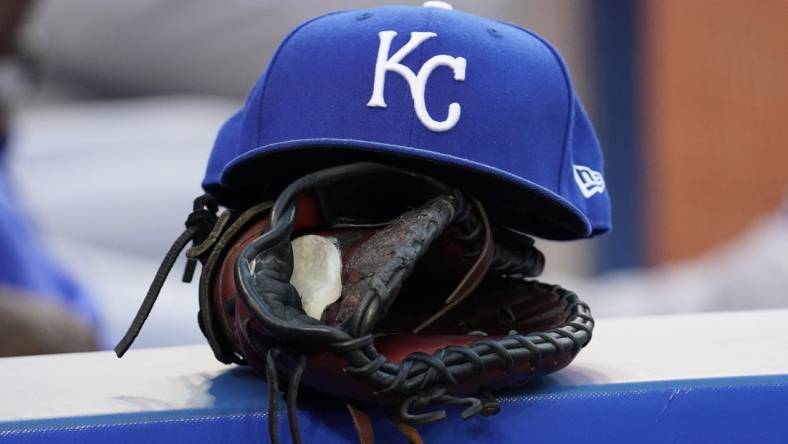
{"x": 378, "y": 285}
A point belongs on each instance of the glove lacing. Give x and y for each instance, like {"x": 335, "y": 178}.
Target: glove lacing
{"x": 199, "y": 226}
{"x": 272, "y": 377}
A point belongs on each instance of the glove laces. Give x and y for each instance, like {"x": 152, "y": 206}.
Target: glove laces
{"x": 199, "y": 225}
{"x": 272, "y": 378}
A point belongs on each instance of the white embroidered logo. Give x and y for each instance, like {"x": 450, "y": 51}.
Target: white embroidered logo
{"x": 589, "y": 181}
{"x": 417, "y": 82}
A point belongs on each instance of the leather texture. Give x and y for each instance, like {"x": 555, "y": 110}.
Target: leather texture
{"x": 496, "y": 307}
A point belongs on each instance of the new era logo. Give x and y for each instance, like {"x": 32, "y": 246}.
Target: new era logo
{"x": 589, "y": 181}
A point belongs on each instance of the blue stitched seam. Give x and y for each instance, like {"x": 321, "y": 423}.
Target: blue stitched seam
{"x": 272, "y": 63}
{"x": 570, "y": 93}
{"x": 77, "y": 428}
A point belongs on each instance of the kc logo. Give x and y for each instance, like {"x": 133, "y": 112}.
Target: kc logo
{"x": 417, "y": 82}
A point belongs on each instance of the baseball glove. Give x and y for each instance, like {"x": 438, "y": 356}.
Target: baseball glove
{"x": 376, "y": 285}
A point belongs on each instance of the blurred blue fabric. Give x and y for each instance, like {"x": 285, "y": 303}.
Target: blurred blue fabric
{"x": 25, "y": 265}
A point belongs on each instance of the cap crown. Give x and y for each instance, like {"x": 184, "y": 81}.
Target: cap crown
{"x": 465, "y": 97}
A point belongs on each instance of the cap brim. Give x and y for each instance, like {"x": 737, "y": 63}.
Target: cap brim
{"x": 229, "y": 137}
{"x": 515, "y": 202}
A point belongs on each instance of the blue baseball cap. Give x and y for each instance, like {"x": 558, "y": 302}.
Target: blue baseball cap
{"x": 484, "y": 105}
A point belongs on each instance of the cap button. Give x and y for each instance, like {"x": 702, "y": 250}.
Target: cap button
{"x": 437, "y": 4}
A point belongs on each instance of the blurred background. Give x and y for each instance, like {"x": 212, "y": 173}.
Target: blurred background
{"x": 110, "y": 110}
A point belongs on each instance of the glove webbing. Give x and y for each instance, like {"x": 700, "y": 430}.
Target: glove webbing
{"x": 424, "y": 376}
